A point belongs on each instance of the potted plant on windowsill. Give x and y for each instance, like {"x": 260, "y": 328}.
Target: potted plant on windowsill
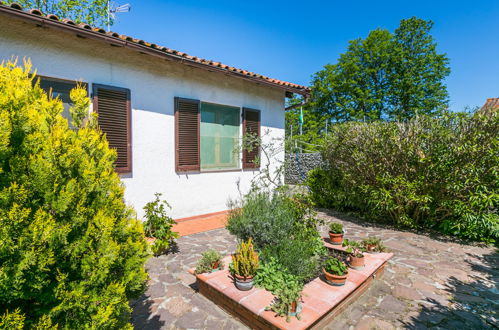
{"x": 356, "y": 258}
{"x": 244, "y": 265}
{"x": 335, "y": 271}
{"x": 336, "y": 233}
{"x": 210, "y": 261}
{"x": 373, "y": 245}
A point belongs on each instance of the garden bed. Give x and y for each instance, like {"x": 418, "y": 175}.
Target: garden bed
{"x": 321, "y": 301}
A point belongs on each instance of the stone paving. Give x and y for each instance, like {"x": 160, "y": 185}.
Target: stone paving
{"x": 430, "y": 283}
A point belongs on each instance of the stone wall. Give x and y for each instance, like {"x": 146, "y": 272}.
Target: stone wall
{"x": 298, "y": 166}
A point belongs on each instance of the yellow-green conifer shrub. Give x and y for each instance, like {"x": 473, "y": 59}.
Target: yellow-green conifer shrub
{"x": 71, "y": 252}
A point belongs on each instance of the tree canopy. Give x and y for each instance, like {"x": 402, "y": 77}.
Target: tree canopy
{"x": 93, "y": 12}
{"x": 386, "y": 76}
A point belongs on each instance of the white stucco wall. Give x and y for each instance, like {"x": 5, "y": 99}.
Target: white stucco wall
{"x": 153, "y": 83}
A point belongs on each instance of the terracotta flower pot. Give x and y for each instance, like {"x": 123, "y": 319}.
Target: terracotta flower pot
{"x": 336, "y": 239}
{"x": 371, "y": 248}
{"x": 296, "y": 308}
{"x": 243, "y": 283}
{"x": 333, "y": 279}
{"x": 356, "y": 262}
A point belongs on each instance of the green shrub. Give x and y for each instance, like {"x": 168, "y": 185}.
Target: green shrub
{"x": 266, "y": 217}
{"x": 440, "y": 173}
{"x": 282, "y": 228}
{"x": 159, "y": 225}
{"x": 299, "y": 254}
{"x": 71, "y": 254}
{"x": 210, "y": 260}
{"x": 335, "y": 266}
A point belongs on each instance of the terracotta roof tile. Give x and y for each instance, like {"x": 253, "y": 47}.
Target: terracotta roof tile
{"x": 204, "y": 62}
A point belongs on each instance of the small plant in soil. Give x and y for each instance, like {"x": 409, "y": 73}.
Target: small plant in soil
{"x": 356, "y": 252}
{"x": 373, "y": 244}
{"x": 336, "y": 228}
{"x": 335, "y": 271}
{"x": 244, "y": 265}
{"x": 336, "y": 233}
{"x": 158, "y": 225}
{"x": 210, "y": 261}
{"x": 287, "y": 301}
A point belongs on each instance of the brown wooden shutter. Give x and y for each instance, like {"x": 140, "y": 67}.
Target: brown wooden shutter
{"x": 112, "y": 105}
{"x": 187, "y": 118}
{"x": 251, "y": 124}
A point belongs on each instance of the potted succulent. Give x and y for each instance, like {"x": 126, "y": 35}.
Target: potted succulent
{"x": 244, "y": 265}
{"x": 356, "y": 258}
{"x": 335, "y": 271}
{"x": 373, "y": 245}
{"x": 210, "y": 261}
{"x": 336, "y": 233}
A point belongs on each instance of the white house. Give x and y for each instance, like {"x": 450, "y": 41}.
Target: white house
{"x": 173, "y": 118}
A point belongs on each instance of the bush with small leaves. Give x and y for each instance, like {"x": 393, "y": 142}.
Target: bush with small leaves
{"x": 71, "y": 254}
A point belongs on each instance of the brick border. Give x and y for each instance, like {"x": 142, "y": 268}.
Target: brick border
{"x": 212, "y": 287}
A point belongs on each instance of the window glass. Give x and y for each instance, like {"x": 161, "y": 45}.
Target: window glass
{"x": 219, "y": 133}
{"x": 60, "y": 89}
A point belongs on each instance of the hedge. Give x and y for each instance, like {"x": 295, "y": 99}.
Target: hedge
{"x": 440, "y": 173}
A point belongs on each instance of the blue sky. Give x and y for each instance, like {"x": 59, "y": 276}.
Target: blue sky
{"x": 291, "y": 40}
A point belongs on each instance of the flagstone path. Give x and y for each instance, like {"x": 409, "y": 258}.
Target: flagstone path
{"x": 429, "y": 283}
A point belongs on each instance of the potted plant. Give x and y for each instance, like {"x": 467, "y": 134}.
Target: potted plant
{"x": 356, "y": 258}
{"x": 287, "y": 301}
{"x": 210, "y": 261}
{"x": 336, "y": 233}
{"x": 335, "y": 271}
{"x": 244, "y": 265}
{"x": 373, "y": 245}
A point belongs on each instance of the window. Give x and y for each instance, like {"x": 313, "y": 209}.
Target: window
{"x": 207, "y": 136}
{"x": 60, "y": 88}
{"x": 112, "y": 105}
{"x": 219, "y": 133}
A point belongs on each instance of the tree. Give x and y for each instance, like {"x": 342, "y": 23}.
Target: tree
{"x": 387, "y": 76}
{"x": 92, "y": 12}
{"x": 71, "y": 252}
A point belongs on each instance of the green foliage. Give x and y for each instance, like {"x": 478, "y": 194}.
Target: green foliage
{"x": 245, "y": 261}
{"x": 336, "y": 228}
{"x": 266, "y": 217}
{"x": 159, "y": 225}
{"x": 286, "y": 287}
{"x": 92, "y": 12}
{"x": 210, "y": 260}
{"x": 374, "y": 243}
{"x": 440, "y": 173}
{"x": 335, "y": 266}
{"x": 299, "y": 254}
{"x": 12, "y": 321}
{"x": 71, "y": 253}
{"x": 354, "y": 248}
{"x": 386, "y": 76}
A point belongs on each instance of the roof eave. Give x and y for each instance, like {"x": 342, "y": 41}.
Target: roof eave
{"x": 116, "y": 41}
